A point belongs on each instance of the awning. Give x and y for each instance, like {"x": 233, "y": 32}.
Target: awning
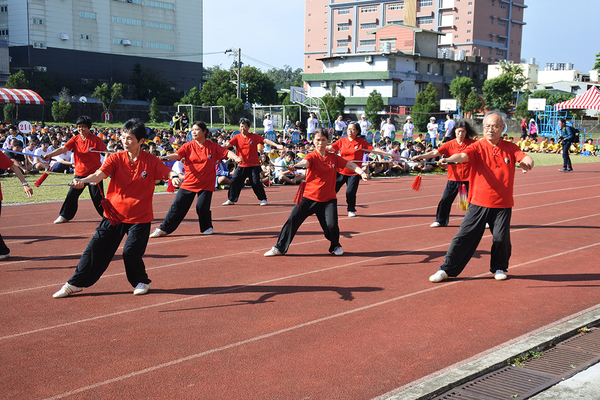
{"x": 20, "y": 96}
{"x": 590, "y": 100}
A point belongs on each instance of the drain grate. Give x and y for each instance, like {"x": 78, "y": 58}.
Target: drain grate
{"x": 536, "y": 374}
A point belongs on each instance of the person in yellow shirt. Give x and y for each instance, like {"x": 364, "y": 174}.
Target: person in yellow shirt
{"x": 554, "y": 147}
{"x": 588, "y": 148}
{"x": 575, "y": 148}
{"x": 544, "y": 146}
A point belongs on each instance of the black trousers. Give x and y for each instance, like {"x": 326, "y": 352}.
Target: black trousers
{"x": 3, "y": 248}
{"x": 181, "y": 205}
{"x": 326, "y": 214}
{"x": 103, "y": 246}
{"x": 565, "y": 154}
{"x": 445, "y": 205}
{"x": 469, "y": 235}
{"x": 69, "y": 207}
{"x": 237, "y": 183}
{"x": 351, "y": 182}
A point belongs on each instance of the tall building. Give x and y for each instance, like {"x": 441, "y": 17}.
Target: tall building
{"x": 491, "y": 29}
{"x": 102, "y": 40}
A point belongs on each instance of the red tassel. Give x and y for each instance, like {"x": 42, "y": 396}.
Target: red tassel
{"x": 111, "y": 212}
{"x": 170, "y": 187}
{"x": 463, "y": 197}
{"x": 299, "y": 193}
{"x": 42, "y": 179}
{"x": 417, "y": 183}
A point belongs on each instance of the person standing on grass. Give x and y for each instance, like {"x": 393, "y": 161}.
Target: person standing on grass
{"x": 86, "y": 163}
{"x": 318, "y": 197}
{"x": 461, "y": 137}
{"x": 493, "y": 162}
{"x": 6, "y": 164}
{"x": 200, "y": 159}
{"x": 246, "y": 145}
{"x": 133, "y": 174}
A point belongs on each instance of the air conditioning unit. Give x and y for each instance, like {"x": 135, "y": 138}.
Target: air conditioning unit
{"x": 126, "y": 42}
{"x": 64, "y": 36}
{"x": 323, "y": 84}
{"x": 368, "y": 59}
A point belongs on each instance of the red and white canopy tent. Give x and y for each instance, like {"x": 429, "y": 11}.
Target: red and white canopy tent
{"x": 20, "y": 96}
{"x": 590, "y": 100}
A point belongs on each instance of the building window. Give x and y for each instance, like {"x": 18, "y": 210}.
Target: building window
{"x": 425, "y": 3}
{"x": 370, "y": 42}
{"x": 85, "y": 37}
{"x": 127, "y": 21}
{"x": 424, "y": 20}
{"x": 455, "y": 36}
{"x": 456, "y": 18}
{"x": 499, "y": 52}
{"x": 343, "y": 11}
{"x": 368, "y": 9}
{"x": 343, "y": 42}
{"x": 468, "y": 40}
{"x": 468, "y": 31}
{"x": 470, "y": 3}
{"x": 38, "y": 45}
{"x": 38, "y": 21}
{"x": 493, "y": 3}
{"x": 368, "y": 26}
{"x": 344, "y": 27}
{"x": 502, "y": 6}
{"x": 160, "y": 46}
{"x": 3, "y": 32}
{"x": 384, "y": 43}
{"x": 502, "y": 40}
{"x": 131, "y": 1}
{"x": 3, "y": 8}
{"x": 397, "y": 6}
{"x": 470, "y": 12}
{"x": 159, "y": 25}
{"x": 501, "y": 23}
{"x": 397, "y": 22}
{"x": 87, "y": 15}
{"x": 166, "y": 6}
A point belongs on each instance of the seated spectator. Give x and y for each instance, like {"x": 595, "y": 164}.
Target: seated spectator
{"x": 223, "y": 175}
{"x": 39, "y": 152}
{"x": 266, "y": 169}
{"x": 19, "y": 159}
{"x": 397, "y": 165}
{"x": 588, "y": 148}
{"x": 63, "y": 162}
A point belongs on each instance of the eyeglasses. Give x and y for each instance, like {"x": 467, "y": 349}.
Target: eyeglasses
{"x": 493, "y": 128}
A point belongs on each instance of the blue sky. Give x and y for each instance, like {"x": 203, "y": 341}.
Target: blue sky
{"x": 272, "y": 32}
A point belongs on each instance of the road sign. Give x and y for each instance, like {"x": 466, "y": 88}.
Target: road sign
{"x": 107, "y": 116}
{"x": 24, "y": 127}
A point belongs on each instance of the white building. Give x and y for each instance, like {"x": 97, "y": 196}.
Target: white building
{"x": 101, "y": 40}
{"x": 530, "y": 71}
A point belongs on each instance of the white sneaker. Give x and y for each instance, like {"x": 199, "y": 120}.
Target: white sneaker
{"x": 66, "y": 290}
{"x": 351, "y": 214}
{"x": 487, "y": 226}
{"x": 435, "y": 225}
{"x": 439, "y": 276}
{"x": 141, "y": 288}
{"x": 60, "y": 220}
{"x": 500, "y": 275}
{"x": 158, "y": 233}
{"x": 209, "y": 231}
{"x": 273, "y": 252}
{"x": 263, "y": 202}
{"x": 337, "y": 251}
{"x": 229, "y": 203}
{"x": 4, "y": 256}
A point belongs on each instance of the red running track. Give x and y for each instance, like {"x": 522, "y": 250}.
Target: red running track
{"x": 222, "y": 321}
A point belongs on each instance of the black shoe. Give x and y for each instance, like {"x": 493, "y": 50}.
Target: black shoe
{"x": 570, "y": 170}
{"x": 563, "y": 170}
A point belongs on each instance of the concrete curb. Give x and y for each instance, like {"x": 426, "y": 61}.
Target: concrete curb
{"x": 435, "y": 386}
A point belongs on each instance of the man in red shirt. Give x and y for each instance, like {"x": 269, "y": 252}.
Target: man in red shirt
{"x": 133, "y": 175}
{"x": 493, "y": 163}
{"x": 246, "y": 146}
{"x": 86, "y": 163}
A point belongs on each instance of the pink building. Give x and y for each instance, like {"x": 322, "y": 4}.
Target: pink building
{"x": 491, "y": 29}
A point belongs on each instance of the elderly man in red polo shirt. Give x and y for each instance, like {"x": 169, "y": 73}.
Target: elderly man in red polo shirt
{"x": 493, "y": 162}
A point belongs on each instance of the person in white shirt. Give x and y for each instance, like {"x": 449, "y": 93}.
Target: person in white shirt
{"x": 408, "y": 129}
{"x": 364, "y": 124}
{"x": 340, "y": 126}
{"x": 432, "y": 128}
{"x": 41, "y": 151}
{"x": 388, "y": 128}
{"x": 12, "y": 134}
{"x": 311, "y": 125}
{"x": 449, "y": 126}
{"x": 268, "y": 123}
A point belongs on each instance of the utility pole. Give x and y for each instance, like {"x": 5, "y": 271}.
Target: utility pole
{"x": 238, "y": 71}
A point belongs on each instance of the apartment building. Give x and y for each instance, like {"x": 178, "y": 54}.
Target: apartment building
{"x": 490, "y": 29}
{"x": 102, "y": 40}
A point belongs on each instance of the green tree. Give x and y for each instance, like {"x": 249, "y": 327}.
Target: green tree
{"x": 154, "y": 113}
{"x": 234, "y": 107}
{"x": 108, "y": 95}
{"x": 293, "y": 112}
{"x": 260, "y": 89}
{"x": 597, "y": 63}
{"x": 516, "y": 73}
{"x": 498, "y": 93}
{"x": 61, "y": 110}
{"x": 373, "y": 107}
{"x": 425, "y": 104}
{"x": 521, "y": 110}
{"x": 18, "y": 80}
{"x": 194, "y": 97}
{"x": 285, "y": 77}
{"x": 473, "y": 102}
{"x": 148, "y": 83}
{"x": 334, "y": 104}
{"x": 218, "y": 85}
{"x": 461, "y": 87}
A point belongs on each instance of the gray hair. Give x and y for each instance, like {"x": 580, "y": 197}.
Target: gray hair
{"x": 496, "y": 112}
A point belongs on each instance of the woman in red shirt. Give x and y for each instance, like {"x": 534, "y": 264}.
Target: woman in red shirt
{"x": 319, "y": 196}
{"x": 200, "y": 158}
{"x": 461, "y": 137}
{"x": 352, "y": 148}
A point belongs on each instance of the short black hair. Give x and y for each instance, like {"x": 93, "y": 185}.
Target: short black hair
{"x": 245, "y": 121}
{"x": 84, "y": 120}
{"x": 137, "y": 127}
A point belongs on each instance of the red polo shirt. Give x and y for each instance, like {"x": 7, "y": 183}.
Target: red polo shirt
{"x": 458, "y": 172}
{"x": 200, "y": 161}
{"x": 321, "y": 176}
{"x": 351, "y": 150}
{"x": 5, "y": 164}
{"x": 247, "y": 148}
{"x": 86, "y": 162}
{"x": 132, "y": 184}
{"x": 492, "y": 173}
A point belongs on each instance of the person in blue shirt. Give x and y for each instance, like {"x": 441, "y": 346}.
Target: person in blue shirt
{"x": 566, "y": 136}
